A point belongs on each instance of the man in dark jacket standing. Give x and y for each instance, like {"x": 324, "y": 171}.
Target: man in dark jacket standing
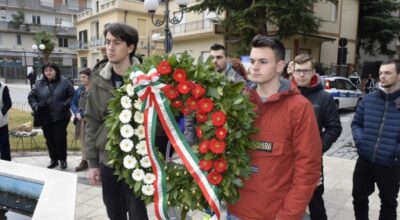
{"x": 376, "y": 133}
{"x": 326, "y": 113}
{"x": 5, "y": 105}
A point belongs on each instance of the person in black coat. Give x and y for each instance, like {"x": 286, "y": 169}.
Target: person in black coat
{"x": 326, "y": 113}
{"x": 32, "y": 78}
{"x": 50, "y": 100}
{"x": 5, "y": 105}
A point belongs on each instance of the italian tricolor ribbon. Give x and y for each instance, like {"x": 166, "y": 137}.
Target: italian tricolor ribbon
{"x": 149, "y": 91}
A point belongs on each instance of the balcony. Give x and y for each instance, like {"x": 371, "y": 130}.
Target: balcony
{"x": 80, "y": 46}
{"x": 193, "y": 29}
{"x": 41, "y": 5}
{"x": 84, "y": 14}
{"x": 32, "y": 28}
{"x": 96, "y": 42}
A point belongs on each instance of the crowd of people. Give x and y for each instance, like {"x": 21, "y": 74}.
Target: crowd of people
{"x": 290, "y": 98}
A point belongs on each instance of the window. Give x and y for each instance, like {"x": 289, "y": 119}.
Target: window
{"x": 36, "y": 19}
{"x": 204, "y": 55}
{"x": 58, "y": 21}
{"x": 62, "y": 42}
{"x": 19, "y": 40}
{"x": 83, "y": 39}
{"x": 349, "y": 86}
{"x": 334, "y": 9}
{"x": 83, "y": 62}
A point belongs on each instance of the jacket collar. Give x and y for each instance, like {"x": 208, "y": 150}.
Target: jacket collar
{"x": 286, "y": 89}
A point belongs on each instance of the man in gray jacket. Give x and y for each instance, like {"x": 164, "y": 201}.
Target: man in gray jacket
{"x": 220, "y": 60}
{"x": 121, "y": 42}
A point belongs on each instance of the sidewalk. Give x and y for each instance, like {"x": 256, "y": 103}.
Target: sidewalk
{"x": 337, "y": 196}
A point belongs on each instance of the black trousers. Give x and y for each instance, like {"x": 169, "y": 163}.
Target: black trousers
{"x": 5, "y": 153}
{"x": 55, "y": 134}
{"x": 119, "y": 199}
{"x": 366, "y": 174}
{"x": 316, "y": 205}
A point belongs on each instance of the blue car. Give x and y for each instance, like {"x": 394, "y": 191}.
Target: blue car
{"x": 345, "y": 93}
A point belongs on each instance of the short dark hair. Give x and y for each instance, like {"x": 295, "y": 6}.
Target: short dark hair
{"x": 125, "y": 33}
{"x": 396, "y": 62}
{"x": 85, "y": 71}
{"x": 218, "y": 46}
{"x": 273, "y": 43}
{"x": 53, "y": 66}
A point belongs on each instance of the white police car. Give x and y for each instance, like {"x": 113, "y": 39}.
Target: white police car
{"x": 345, "y": 94}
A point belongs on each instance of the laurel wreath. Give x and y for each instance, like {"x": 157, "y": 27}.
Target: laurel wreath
{"x": 224, "y": 118}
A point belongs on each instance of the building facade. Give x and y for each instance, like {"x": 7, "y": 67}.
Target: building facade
{"x": 20, "y": 20}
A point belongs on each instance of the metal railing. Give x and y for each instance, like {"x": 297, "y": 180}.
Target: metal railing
{"x": 190, "y": 27}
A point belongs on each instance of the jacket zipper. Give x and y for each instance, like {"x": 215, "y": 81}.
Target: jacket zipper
{"x": 380, "y": 129}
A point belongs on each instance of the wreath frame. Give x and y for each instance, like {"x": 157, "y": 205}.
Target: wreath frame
{"x": 227, "y": 97}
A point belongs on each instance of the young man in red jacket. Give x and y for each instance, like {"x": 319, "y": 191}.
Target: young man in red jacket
{"x": 287, "y": 158}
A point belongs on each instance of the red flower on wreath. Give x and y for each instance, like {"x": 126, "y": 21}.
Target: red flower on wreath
{"x": 201, "y": 118}
{"x": 185, "y": 110}
{"x": 199, "y": 132}
{"x": 217, "y": 147}
{"x": 177, "y": 103}
{"x": 205, "y": 165}
{"x": 218, "y": 118}
{"x": 214, "y": 178}
{"x": 221, "y": 133}
{"x": 164, "y": 68}
{"x": 191, "y": 103}
{"x": 170, "y": 92}
{"x": 204, "y": 146}
{"x": 184, "y": 87}
{"x": 198, "y": 91}
{"x": 179, "y": 75}
{"x": 220, "y": 165}
{"x": 205, "y": 105}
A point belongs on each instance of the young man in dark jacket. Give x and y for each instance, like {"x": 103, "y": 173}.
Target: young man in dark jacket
{"x": 120, "y": 201}
{"x": 326, "y": 112}
{"x": 376, "y": 133}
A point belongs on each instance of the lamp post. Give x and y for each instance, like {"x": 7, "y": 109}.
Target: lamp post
{"x": 154, "y": 38}
{"x": 152, "y": 5}
{"x": 38, "y": 48}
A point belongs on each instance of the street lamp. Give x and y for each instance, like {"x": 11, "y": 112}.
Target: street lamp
{"x": 37, "y": 49}
{"x": 152, "y": 5}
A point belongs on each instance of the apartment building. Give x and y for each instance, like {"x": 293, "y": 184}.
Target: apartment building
{"x": 20, "y": 20}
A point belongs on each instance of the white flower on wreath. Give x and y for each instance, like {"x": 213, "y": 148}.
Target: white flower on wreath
{"x": 139, "y": 117}
{"x": 141, "y": 148}
{"x": 126, "y": 145}
{"x": 138, "y": 104}
{"x": 139, "y": 132}
{"x": 132, "y": 75}
{"x": 149, "y": 178}
{"x": 127, "y": 131}
{"x": 130, "y": 90}
{"x": 126, "y": 102}
{"x": 137, "y": 174}
{"x": 129, "y": 162}
{"x": 145, "y": 162}
{"x": 125, "y": 116}
{"x": 148, "y": 190}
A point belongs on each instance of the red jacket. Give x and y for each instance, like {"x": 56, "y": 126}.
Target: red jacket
{"x": 287, "y": 161}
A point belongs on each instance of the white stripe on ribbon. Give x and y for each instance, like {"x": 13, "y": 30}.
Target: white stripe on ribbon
{"x": 196, "y": 169}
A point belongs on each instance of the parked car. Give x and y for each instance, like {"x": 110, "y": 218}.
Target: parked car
{"x": 345, "y": 93}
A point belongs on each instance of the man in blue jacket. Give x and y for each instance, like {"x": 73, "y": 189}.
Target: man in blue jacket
{"x": 376, "y": 133}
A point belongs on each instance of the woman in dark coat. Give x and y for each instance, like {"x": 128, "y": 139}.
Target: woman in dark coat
{"x": 50, "y": 100}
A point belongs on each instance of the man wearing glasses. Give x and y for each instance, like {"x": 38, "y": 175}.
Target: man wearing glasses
{"x": 220, "y": 61}
{"x": 326, "y": 113}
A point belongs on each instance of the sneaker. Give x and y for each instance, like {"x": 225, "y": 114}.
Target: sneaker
{"x": 82, "y": 166}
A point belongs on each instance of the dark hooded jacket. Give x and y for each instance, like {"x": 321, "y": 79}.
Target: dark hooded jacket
{"x": 51, "y": 100}
{"x": 325, "y": 110}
